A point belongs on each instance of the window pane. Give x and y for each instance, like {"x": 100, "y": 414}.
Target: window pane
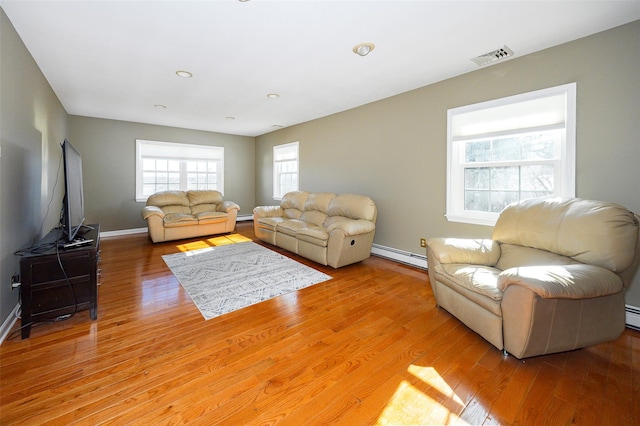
{"x": 538, "y": 178}
{"x": 476, "y": 200}
{"x": 477, "y": 178}
{"x": 541, "y": 146}
{"x": 500, "y": 199}
{"x": 478, "y": 151}
{"x": 505, "y": 178}
{"x": 506, "y": 149}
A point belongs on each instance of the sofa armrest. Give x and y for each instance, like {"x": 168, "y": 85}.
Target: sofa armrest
{"x": 149, "y": 211}
{"x": 268, "y": 211}
{"x": 466, "y": 251}
{"x": 227, "y": 206}
{"x": 352, "y": 227}
{"x": 577, "y": 281}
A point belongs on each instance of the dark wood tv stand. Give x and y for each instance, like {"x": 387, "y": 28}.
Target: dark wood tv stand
{"x": 47, "y": 294}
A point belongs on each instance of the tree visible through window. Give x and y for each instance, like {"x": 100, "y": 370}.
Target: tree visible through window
{"x": 509, "y": 150}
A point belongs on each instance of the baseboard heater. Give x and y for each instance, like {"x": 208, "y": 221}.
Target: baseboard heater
{"x": 401, "y": 256}
{"x": 632, "y": 317}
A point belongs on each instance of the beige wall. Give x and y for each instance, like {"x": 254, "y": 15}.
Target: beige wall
{"x": 394, "y": 150}
{"x": 33, "y": 123}
{"x": 108, "y": 150}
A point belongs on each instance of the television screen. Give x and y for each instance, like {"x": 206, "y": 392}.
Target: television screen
{"x": 73, "y": 203}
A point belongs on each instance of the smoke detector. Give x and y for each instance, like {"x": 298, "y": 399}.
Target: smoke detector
{"x": 496, "y": 55}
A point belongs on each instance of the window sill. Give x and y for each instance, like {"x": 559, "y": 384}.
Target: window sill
{"x": 474, "y": 220}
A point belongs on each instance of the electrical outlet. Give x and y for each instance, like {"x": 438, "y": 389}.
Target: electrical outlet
{"x": 423, "y": 242}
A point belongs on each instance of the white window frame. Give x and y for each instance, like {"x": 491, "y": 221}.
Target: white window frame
{"x": 282, "y": 153}
{"x": 181, "y": 152}
{"x": 564, "y": 166}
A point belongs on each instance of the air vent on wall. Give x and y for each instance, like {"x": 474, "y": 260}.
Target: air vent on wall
{"x": 494, "y": 56}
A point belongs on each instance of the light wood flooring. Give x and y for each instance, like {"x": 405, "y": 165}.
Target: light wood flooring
{"x": 366, "y": 347}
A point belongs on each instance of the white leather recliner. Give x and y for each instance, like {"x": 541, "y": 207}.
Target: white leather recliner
{"x": 551, "y": 279}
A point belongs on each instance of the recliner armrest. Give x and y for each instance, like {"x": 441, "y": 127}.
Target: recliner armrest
{"x": 576, "y": 281}
{"x": 268, "y": 211}
{"x": 464, "y": 250}
{"x": 148, "y": 211}
{"x": 227, "y": 206}
{"x": 352, "y": 227}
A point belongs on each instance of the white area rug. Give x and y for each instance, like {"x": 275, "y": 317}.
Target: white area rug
{"x": 225, "y": 278}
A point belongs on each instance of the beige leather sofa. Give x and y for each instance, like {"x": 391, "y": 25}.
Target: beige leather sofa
{"x": 551, "y": 279}
{"x": 174, "y": 215}
{"x": 330, "y": 229}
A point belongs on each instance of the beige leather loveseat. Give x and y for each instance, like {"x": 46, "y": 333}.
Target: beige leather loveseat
{"x": 551, "y": 279}
{"x": 173, "y": 215}
{"x": 330, "y": 229}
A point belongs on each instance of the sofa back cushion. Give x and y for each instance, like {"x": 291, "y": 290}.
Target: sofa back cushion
{"x": 316, "y": 207}
{"x": 204, "y": 200}
{"x": 293, "y": 204}
{"x": 592, "y": 232}
{"x": 170, "y": 201}
{"x": 353, "y": 207}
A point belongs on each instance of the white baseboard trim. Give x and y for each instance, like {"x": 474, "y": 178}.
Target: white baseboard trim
{"x": 632, "y": 316}
{"x": 7, "y": 325}
{"x": 401, "y": 256}
{"x": 145, "y": 230}
{"x": 124, "y": 232}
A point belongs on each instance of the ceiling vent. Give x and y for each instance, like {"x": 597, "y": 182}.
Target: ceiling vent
{"x": 496, "y": 55}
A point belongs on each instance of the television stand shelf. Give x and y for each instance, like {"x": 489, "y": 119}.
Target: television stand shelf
{"x": 50, "y": 292}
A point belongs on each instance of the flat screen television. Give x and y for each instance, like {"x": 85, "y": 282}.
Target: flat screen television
{"x": 72, "y": 217}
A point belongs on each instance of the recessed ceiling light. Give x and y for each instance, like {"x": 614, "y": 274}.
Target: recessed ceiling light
{"x": 184, "y": 74}
{"x": 277, "y": 126}
{"x": 230, "y": 118}
{"x": 363, "y": 49}
{"x": 160, "y": 106}
{"x": 273, "y": 96}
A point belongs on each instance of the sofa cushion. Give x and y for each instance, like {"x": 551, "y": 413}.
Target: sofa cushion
{"x": 270, "y": 223}
{"x": 197, "y": 197}
{"x": 168, "y": 198}
{"x": 558, "y": 225}
{"x": 316, "y": 218}
{"x": 319, "y": 201}
{"x": 173, "y": 220}
{"x": 211, "y": 217}
{"x": 294, "y": 200}
{"x": 314, "y": 234}
{"x": 353, "y": 207}
{"x": 477, "y": 278}
{"x": 291, "y": 226}
{"x": 514, "y": 256}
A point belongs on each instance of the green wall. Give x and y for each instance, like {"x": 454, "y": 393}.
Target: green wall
{"x": 33, "y": 123}
{"x": 394, "y": 150}
{"x": 108, "y": 149}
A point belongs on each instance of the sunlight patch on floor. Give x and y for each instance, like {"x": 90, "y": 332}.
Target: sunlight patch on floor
{"x": 411, "y": 405}
{"x": 221, "y": 240}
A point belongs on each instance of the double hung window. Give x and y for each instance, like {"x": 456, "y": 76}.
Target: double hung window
{"x": 285, "y": 169}
{"x": 162, "y": 166}
{"x": 509, "y": 150}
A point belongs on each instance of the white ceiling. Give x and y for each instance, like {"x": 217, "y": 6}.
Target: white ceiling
{"x": 117, "y": 59}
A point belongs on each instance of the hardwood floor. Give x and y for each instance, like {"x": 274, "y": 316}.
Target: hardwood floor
{"x": 366, "y": 347}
